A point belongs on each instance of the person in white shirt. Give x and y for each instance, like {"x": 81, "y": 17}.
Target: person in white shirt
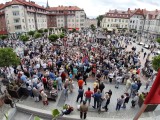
{"x": 110, "y": 76}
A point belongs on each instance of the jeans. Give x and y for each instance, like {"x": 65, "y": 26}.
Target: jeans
{"x": 83, "y": 113}
{"x": 59, "y": 86}
{"x": 79, "y": 96}
{"x": 118, "y": 107}
{"x": 96, "y": 102}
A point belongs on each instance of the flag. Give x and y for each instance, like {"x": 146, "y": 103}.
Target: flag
{"x": 153, "y": 96}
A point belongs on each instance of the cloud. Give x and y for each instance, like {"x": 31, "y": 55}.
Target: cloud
{"x": 93, "y": 8}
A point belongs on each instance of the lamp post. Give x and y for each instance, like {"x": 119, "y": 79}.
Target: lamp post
{"x": 14, "y": 36}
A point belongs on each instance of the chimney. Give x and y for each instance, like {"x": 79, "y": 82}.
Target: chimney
{"x": 128, "y": 9}
{"x": 135, "y": 9}
{"x": 156, "y": 10}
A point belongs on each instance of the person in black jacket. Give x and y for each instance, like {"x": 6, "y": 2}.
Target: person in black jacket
{"x": 101, "y": 86}
{"x": 126, "y": 100}
{"x": 85, "y": 76}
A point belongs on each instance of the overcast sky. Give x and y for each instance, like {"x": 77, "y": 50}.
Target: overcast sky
{"x": 93, "y": 8}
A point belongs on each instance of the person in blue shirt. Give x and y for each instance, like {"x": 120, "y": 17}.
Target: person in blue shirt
{"x": 97, "y": 99}
{"x": 24, "y": 78}
{"x": 51, "y": 75}
{"x": 70, "y": 75}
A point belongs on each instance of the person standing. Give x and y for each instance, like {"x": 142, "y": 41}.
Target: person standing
{"x": 144, "y": 55}
{"x": 135, "y": 100}
{"x": 44, "y": 98}
{"x": 107, "y": 97}
{"x": 88, "y": 94}
{"x": 101, "y": 86}
{"x": 83, "y": 110}
{"x": 59, "y": 82}
{"x": 85, "y": 76}
{"x": 80, "y": 83}
{"x": 65, "y": 92}
{"x": 119, "y": 102}
{"x": 35, "y": 94}
{"x": 126, "y": 100}
{"x": 80, "y": 94}
{"x": 128, "y": 85}
{"x": 97, "y": 99}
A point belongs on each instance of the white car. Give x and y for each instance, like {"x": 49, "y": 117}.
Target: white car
{"x": 157, "y": 52}
{"x": 141, "y": 43}
{"x": 146, "y": 46}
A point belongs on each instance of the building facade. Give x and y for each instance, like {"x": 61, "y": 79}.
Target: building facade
{"x": 89, "y": 22}
{"x": 136, "y": 20}
{"x": 115, "y": 19}
{"x": 67, "y": 17}
{"x": 20, "y": 16}
{"x": 3, "y": 28}
{"x": 23, "y": 16}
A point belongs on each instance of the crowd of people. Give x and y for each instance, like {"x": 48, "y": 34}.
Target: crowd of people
{"x": 46, "y": 66}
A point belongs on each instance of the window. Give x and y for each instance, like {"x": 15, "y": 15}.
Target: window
{"x": 126, "y": 21}
{"x": 115, "y": 20}
{"x": 32, "y": 20}
{"x": 72, "y": 20}
{"x": 22, "y": 20}
{"x": 24, "y": 27}
{"x": 18, "y": 27}
{"x": 108, "y": 25}
{"x": 133, "y": 21}
{"x": 108, "y": 20}
{"x": 77, "y": 21}
{"x": 15, "y": 13}
{"x": 33, "y": 26}
{"x": 15, "y": 6}
{"x": 119, "y": 20}
{"x": 58, "y": 20}
{"x": 16, "y": 20}
{"x": 30, "y": 27}
{"x": 8, "y": 21}
{"x": 29, "y": 20}
{"x": 61, "y": 20}
{"x": 81, "y": 24}
{"x": 122, "y": 20}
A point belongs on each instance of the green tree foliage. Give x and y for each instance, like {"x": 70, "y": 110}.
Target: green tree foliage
{"x": 99, "y": 18}
{"x": 45, "y": 30}
{"x": 73, "y": 30}
{"x": 37, "y": 35}
{"x": 40, "y": 30}
{"x": 156, "y": 62}
{"x": 31, "y": 33}
{"x": 63, "y": 29}
{"x": 8, "y": 57}
{"x": 3, "y": 37}
{"x": 53, "y": 37}
{"x": 93, "y": 27}
{"x": 24, "y": 38}
{"x": 158, "y": 40}
{"x": 50, "y": 29}
{"x": 62, "y": 35}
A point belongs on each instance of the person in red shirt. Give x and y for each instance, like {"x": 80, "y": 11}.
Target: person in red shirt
{"x": 44, "y": 80}
{"x": 88, "y": 94}
{"x": 80, "y": 83}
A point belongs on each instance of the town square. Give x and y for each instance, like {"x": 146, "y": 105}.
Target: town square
{"x": 71, "y": 60}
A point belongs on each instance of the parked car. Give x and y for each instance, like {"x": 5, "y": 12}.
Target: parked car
{"x": 157, "y": 52}
{"x": 140, "y": 43}
{"x": 146, "y": 46}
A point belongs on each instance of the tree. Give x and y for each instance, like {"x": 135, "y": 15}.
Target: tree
{"x": 3, "y": 37}
{"x": 62, "y": 35}
{"x": 73, "y": 30}
{"x": 8, "y": 57}
{"x": 37, "y": 35}
{"x": 93, "y": 27}
{"x": 99, "y": 18}
{"x": 40, "y": 30}
{"x": 50, "y": 29}
{"x": 63, "y": 29}
{"x": 24, "y": 38}
{"x": 45, "y": 30}
{"x": 31, "y": 33}
{"x": 156, "y": 63}
{"x": 53, "y": 37}
{"x": 158, "y": 40}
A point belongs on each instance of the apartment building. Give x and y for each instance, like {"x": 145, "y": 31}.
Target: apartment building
{"x": 89, "y": 22}
{"x": 23, "y": 16}
{"x": 136, "y": 19}
{"x": 115, "y": 19}
{"x": 20, "y": 16}
{"x": 3, "y": 28}
{"x": 67, "y": 17}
